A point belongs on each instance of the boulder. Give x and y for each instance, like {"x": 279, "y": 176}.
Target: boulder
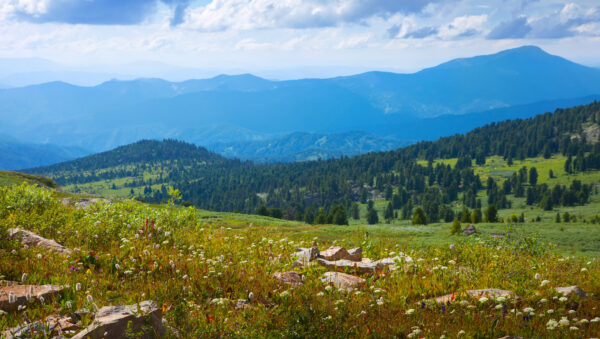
{"x": 342, "y": 280}
{"x": 291, "y": 278}
{"x": 112, "y": 322}
{"x": 469, "y": 230}
{"x": 31, "y": 239}
{"x": 355, "y": 254}
{"x": 335, "y": 253}
{"x": 358, "y": 266}
{"x": 20, "y": 293}
{"x": 566, "y": 291}
{"x": 66, "y": 323}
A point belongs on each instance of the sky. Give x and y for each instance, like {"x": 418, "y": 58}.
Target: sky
{"x": 292, "y": 38}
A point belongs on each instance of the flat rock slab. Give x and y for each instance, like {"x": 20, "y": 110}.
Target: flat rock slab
{"x": 113, "y": 321}
{"x": 488, "y": 293}
{"x": 576, "y": 290}
{"x": 358, "y": 266}
{"x": 342, "y": 280}
{"x": 33, "y": 240}
{"x": 292, "y": 278}
{"x": 21, "y": 291}
{"x": 35, "y": 329}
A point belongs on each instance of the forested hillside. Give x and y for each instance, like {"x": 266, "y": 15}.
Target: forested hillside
{"x": 408, "y": 177}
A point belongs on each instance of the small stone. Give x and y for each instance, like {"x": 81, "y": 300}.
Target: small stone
{"x": 353, "y": 265}
{"x": 469, "y": 230}
{"x": 292, "y": 278}
{"x": 566, "y": 291}
{"x": 31, "y": 239}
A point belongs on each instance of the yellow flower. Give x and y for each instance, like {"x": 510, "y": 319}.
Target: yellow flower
{"x": 88, "y": 271}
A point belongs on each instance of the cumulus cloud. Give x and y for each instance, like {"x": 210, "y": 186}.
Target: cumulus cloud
{"x": 463, "y": 26}
{"x": 91, "y": 12}
{"x": 570, "y": 21}
{"x": 402, "y": 31}
{"x": 512, "y": 29}
{"x": 220, "y": 15}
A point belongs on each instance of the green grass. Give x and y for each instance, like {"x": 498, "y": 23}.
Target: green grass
{"x": 9, "y": 178}
{"x": 184, "y": 259}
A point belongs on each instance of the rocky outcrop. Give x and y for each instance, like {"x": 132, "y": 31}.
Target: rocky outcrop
{"x": 305, "y": 255}
{"x": 357, "y": 266}
{"x": 33, "y": 240}
{"x": 334, "y": 253}
{"x": 145, "y": 321}
{"x": 569, "y": 290}
{"x": 82, "y": 202}
{"x": 469, "y": 230}
{"x": 19, "y": 294}
{"x": 342, "y": 280}
{"x": 291, "y": 278}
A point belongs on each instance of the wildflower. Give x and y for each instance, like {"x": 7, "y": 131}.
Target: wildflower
{"x": 572, "y": 312}
{"x": 528, "y": 310}
{"x": 284, "y": 294}
{"x": 78, "y": 287}
{"x": 39, "y": 256}
{"x": 41, "y": 298}
{"x": 320, "y": 294}
{"x": 452, "y": 247}
{"x": 563, "y": 299}
{"x": 95, "y": 307}
{"x": 461, "y": 333}
{"x": 69, "y": 305}
{"x": 544, "y": 283}
{"x": 583, "y": 321}
{"x": 499, "y": 306}
{"x": 483, "y": 300}
{"x": 536, "y": 276}
{"x": 2, "y": 313}
{"x": 24, "y": 277}
{"x": 595, "y": 320}
{"x": 410, "y": 311}
{"x": 501, "y": 299}
{"x": 544, "y": 300}
{"x": 251, "y": 296}
{"x": 551, "y": 324}
{"x": 564, "y": 322}
{"x": 573, "y": 328}
{"x": 117, "y": 267}
{"x": 550, "y": 311}
{"x": 380, "y": 301}
{"x": 89, "y": 298}
{"x": 328, "y": 288}
{"x": 584, "y": 270}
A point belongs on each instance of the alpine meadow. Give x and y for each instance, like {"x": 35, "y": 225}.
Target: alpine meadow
{"x": 299, "y": 169}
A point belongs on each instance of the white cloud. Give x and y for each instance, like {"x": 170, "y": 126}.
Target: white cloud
{"x": 463, "y": 26}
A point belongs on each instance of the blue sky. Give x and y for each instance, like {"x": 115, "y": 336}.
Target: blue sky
{"x": 316, "y": 37}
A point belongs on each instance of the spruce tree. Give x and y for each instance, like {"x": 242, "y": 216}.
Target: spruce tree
{"x": 372, "y": 217}
{"x": 419, "y": 217}
{"x": 455, "y": 227}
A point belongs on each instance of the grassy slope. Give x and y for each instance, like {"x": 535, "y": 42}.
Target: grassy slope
{"x": 206, "y": 256}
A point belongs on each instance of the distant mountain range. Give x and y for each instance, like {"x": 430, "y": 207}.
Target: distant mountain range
{"x": 226, "y": 112}
{"x": 17, "y": 155}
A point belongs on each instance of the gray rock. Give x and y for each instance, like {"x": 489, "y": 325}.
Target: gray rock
{"x": 355, "y": 254}
{"x": 20, "y": 293}
{"x": 566, "y": 291}
{"x": 31, "y": 239}
{"x": 112, "y": 322}
{"x": 342, "y": 280}
{"x": 469, "y": 230}
{"x": 335, "y": 253}
{"x": 291, "y": 278}
{"x": 306, "y": 255}
{"x": 36, "y": 329}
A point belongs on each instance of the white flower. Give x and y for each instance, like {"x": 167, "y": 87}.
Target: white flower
{"x": 551, "y": 324}
{"x": 536, "y": 276}
{"x": 11, "y": 298}
{"x": 550, "y": 311}
{"x": 117, "y": 267}
{"x": 564, "y": 322}
{"x": 595, "y": 320}
{"x": 328, "y": 288}
{"x": 69, "y": 305}
{"x": 251, "y": 296}
{"x": 89, "y": 298}
{"x": 461, "y": 332}
{"x": 24, "y": 277}
{"x": 544, "y": 283}
{"x": 573, "y": 328}
{"x": 78, "y": 287}
{"x": 320, "y": 294}
{"x": 501, "y": 299}
{"x": 528, "y": 310}
{"x": 483, "y": 300}
{"x": 39, "y": 256}
{"x": 563, "y": 299}
{"x": 584, "y": 270}
{"x": 543, "y": 300}
{"x": 284, "y": 294}
{"x": 499, "y": 306}
{"x": 410, "y": 311}
{"x": 452, "y": 247}
{"x": 95, "y": 307}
